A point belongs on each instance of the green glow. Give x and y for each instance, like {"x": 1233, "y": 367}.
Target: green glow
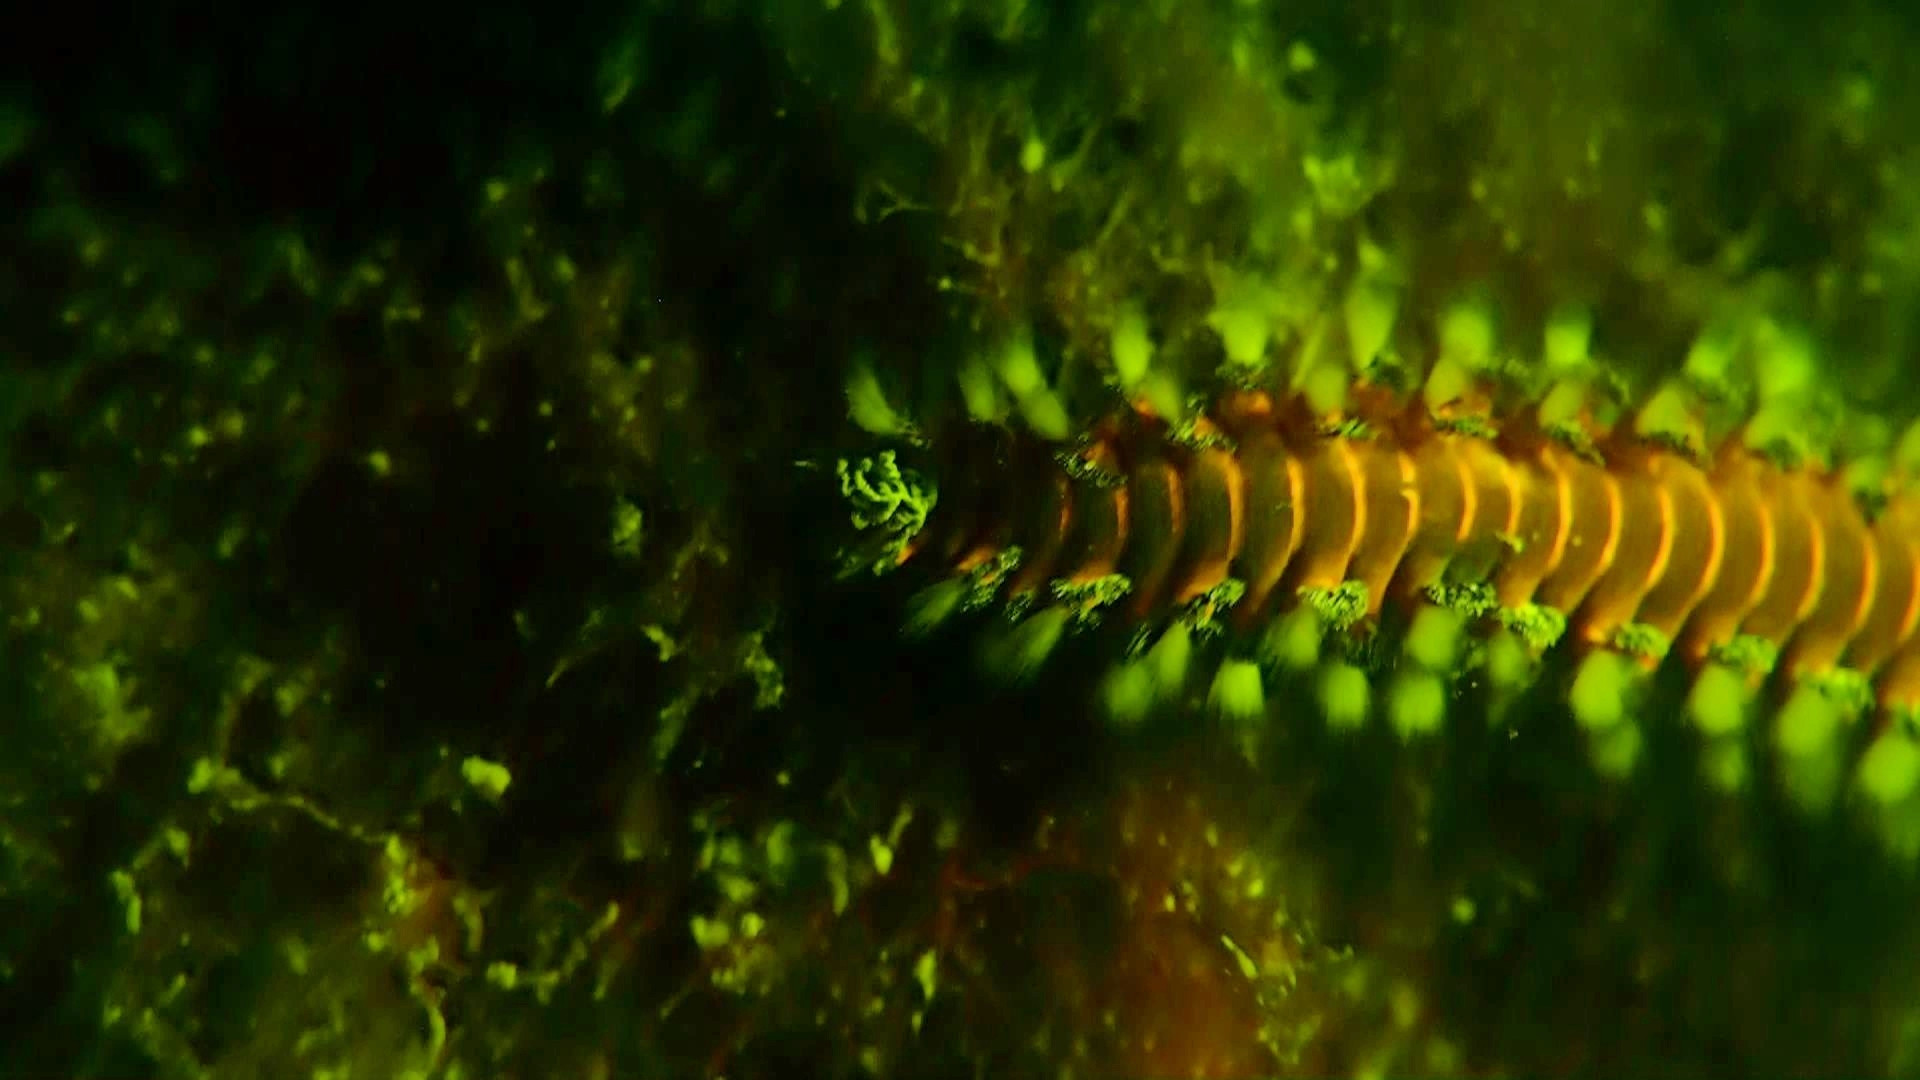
{"x": 1890, "y": 769}
{"x": 1292, "y": 642}
{"x": 1237, "y": 691}
{"x": 1807, "y": 723}
{"x": 1417, "y": 704}
{"x": 1599, "y": 693}
{"x": 1433, "y": 640}
{"x": 1717, "y": 704}
{"x": 1346, "y": 695}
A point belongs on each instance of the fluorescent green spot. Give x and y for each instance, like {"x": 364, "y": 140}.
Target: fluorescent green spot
{"x": 1346, "y": 695}
{"x": 1433, "y": 641}
{"x": 1128, "y": 693}
{"x": 1243, "y": 333}
{"x": 1667, "y": 418}
{"x": 1371, "y": 309}
{"x": 1717, "y": 704}
{"x": 1019, "y": 653}
{"x": 868, "y": 406}
{"x": 1325, "y": 389}
{"x": 933, "y": 605}
{"x": 1292, "y": 642}
{"x": 1466, "y": 335}
{"x": 926, "y": 973}
{"x": 1168, "y": 659}
{"x": 1033, "y": 155}
{"x": 1046, "y": 415}
{"x": 629, "y": 529}
{"x": 882, "y": 854}
{"x": 1509, "y": 665}
{"x": 1536, "y": 624}
{"x": 1614, "y": 751}
{"x": 1890, "y": 769}
{"x": 1599, "y": 693}
{"x": 1132, "y": 348}
{"x": 1724, "y": 764}
{"x": 1447, "y": 383}
{"x": 709, "y": 934}
{"x": 1417, "y": 704}
{"x": 978, "y": 391}
{"x": 1569, "y": 333}
{"x": 1463, "y": 910}
{"x": 1019, "y": 367}
{"x": 1808, "y": 722}
{"x": 129, "y": 894}
{"x": 1237, "y": 691}
{"x": 1163, "y": 394}
{"x": 1340, "y": 607}
{"x": 489, "y": 778}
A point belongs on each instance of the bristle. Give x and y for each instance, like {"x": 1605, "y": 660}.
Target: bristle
{"x": 979, "y": 392}
{"x": 1433, "y": 639}
{"x": 1237, "y": 692}
{"x": 1292, "y": 642}
{"x": 1417, "y": 704}
{"x": 1018, "y": 653}
{"x": 1131, "y": 347}
{"x": 932, "y": 606}
{"x": 1807, "y": 735}
{"x": 1346, "y": 696}
{"x": 1371, "y": 307}
{"x": 1568, "y": 336}
{"x": 867, "y": 404}
{"x": 1167, "y": 661}
{"x": 1599, "y": 695}
{"x": 1717, "y": 704}
{"x": 1890, "y": 770}
{"x": 1128, "y": 693}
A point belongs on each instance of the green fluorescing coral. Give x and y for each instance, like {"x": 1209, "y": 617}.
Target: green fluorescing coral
{"x": 1341, "y": 607}
{"x": 887, "y": 500}
{"x": 1748, "y": 654}
{"x": 1536, "y": 624}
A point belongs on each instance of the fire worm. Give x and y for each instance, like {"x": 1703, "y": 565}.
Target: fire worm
{"x": 1289, "y": 536}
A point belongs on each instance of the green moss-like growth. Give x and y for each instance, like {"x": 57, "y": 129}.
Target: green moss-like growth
{"x": 1541, "y": 627}
{"x": 1641, "y": 640}
{"x": 1203, "y": 613}
{"x": 1473, "y": 600}
{"x": 1752, "y": 656}
{"x": 1088, "y": 599}
{"x": 1339, "y": 608}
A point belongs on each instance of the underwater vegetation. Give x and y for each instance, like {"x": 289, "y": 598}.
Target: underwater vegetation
{"x": 868, "y": 538}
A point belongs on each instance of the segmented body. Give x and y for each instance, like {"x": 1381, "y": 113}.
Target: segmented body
{"x": 1697, "y": 550}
